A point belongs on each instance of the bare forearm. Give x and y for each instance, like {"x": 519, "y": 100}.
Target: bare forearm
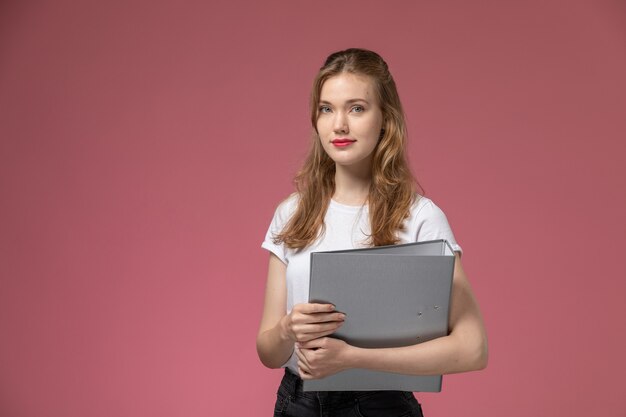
{"x": 445, "y": 355}
{"x": 274, "y": 347}
{"x": 463, "y": 350}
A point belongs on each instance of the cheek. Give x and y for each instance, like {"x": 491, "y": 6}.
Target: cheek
{"x": 322, "y": 127}
{"x": 322, "y": 136}
{"x": 372, "y": 130}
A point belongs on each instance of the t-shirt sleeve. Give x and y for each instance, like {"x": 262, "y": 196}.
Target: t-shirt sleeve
{"x": 432, "y": 224}
{"x": 281, "y": 217}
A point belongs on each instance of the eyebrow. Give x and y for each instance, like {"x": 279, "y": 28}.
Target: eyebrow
{"x": 351, "y": 101}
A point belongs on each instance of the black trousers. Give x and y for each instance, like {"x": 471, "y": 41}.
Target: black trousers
{"x": 291, "y": 401}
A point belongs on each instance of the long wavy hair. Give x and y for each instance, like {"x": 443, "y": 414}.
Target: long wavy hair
{"x": 393, "y": 188}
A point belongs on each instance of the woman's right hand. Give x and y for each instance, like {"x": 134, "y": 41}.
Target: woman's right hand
{"x": 309, "y": 321}
{"x": 278, "y": 332}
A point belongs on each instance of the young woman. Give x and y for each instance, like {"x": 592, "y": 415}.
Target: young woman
{"x": 355, "y": 190}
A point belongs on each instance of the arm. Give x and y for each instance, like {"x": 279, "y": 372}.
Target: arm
{"x": 464, "y": 349}
{"x": 278, "y": 330}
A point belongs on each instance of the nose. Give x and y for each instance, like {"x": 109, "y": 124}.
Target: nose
{"x": 340, "y": 124}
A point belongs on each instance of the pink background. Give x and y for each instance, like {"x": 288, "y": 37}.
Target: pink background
{"x": 145, "y": 145}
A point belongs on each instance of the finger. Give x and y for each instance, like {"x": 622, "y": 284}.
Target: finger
{"x": 304, "y": 328}
{"x": 303, "y": 362}
{"x": 320, "y": 327}
{"x": 302, "y": 357}
{"x": 302, "y": 318}
{"x": 304, "y": 372}
{"x": 329, "y": 317}
{"x": 310, "y": 308}
{"x": 312, "y": 344}
{"x": 305, "y": 337}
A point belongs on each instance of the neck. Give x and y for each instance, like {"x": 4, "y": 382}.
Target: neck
{"x": 352, "y": 184}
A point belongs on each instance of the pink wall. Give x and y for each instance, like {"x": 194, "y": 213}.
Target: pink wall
{"x": 144, "y": 146}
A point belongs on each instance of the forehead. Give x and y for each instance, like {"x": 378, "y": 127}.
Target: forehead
{"x": 348, "y": 86}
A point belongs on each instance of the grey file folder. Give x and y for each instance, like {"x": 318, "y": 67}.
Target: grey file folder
{"x": 393, "y": 296}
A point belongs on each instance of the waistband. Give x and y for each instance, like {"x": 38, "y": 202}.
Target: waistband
{"x": 292, "y": 385}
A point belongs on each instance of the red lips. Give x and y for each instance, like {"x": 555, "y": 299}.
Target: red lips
{"x": 342, "y": 141}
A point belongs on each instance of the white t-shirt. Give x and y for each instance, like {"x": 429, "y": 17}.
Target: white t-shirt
{"x": 347, "y": 227}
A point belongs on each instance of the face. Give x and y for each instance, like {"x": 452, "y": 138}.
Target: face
{"x": 350, "y": 119}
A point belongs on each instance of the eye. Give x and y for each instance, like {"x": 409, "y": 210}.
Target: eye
{"x": 358, "y": 109}
{"x": 324, "y": 109}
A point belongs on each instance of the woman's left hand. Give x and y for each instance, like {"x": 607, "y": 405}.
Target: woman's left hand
{"x": 322, "y": 357}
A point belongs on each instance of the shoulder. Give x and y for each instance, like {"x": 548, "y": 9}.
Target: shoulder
{"x": 282, "y": 214}
{"x": 289, "y": 204}
{"x": 428, "y": 222}
{"x": 286, "y": 208}
{"x": 425, "y": 216}
{"x": 424, "y": 208}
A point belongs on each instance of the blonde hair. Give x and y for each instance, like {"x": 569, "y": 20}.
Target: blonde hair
{"x": 393, "y": 188}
